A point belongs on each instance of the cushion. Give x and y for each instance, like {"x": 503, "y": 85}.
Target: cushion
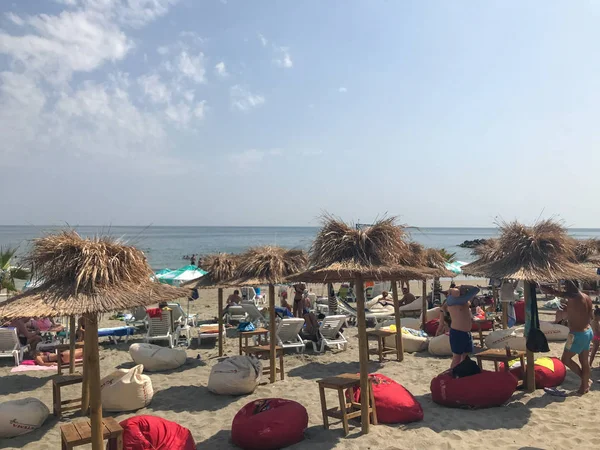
{"x": 432, "y": 326}
{"x": 156, "y": 358}
{"x": 477, "y": 391}
{"x": 126, "y": 390}
{"x": 520, "y": 311}
{"x": 393, "y": 402}
{"x": 155, "y": 433}
{"x": 269, "y": 423}
{"x": 440, "y": 345}
{"x": 412, "y": 341}
{"x": 501, "y": 338}
{"x": 549, "y": 372}
{"x": 237, "y": 375}
{"x": 22, "y": 416}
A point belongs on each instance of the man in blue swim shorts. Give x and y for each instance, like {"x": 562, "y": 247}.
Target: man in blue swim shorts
{"x": 459, "y": 308}
{"x": 579, "y": 314}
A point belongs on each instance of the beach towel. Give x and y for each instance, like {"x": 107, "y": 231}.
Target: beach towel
{"x": 29, "y": 368}
{"x": 154, "y": 312}
{"x": 470, "y": 293}
{"x": 511, "y": 315}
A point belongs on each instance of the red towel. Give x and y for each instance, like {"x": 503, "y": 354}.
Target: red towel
{"x": 154, "y": 312}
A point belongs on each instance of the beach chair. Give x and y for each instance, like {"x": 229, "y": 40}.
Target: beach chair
{"x": 330, "y": 333}
{"x": 236, "y": 313}
{"x": 249, "y": 294}
{"x": 209, "y": 331}
{"x": 288, "y": 334}
{"x": 160, "y": 328}
{"x": 138, "y": 318}
{"x": 10, "y": 346}
{"x": 179, "y": 315}
{"x": 349, "y": 310}
{"x": 253, "y": 314}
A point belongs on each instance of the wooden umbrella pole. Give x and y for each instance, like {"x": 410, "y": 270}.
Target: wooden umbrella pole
{"x": 272, "y": 332}
{"x": 72, "y": 325}
{"x": 363, "y": 353}
{"x": 85, "y": 386}
{"x": 504, "y": 307}
{"x": 424, "y": 304}
{"x": 530, "y": 369}
{"x": 93, "y": 366}
{"x": 399, "y": 345}
{"x": 220, "y": 303}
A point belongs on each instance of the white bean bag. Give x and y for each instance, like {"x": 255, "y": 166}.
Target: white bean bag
{"x": 155, "y": 358}
{"x": 19, "y": 417}
{"x": 414, "y": 306}
{"x": 554, "y": 331}
{"x": 126, "y": 390}
{"x": 410, "y": 342}
{"x": 411, "y": 322}
{"x": 432, "y": 314}
{"x": 440, "y": 345}
{"x": 501, "y": 338}
{"x": 236, "y": 375}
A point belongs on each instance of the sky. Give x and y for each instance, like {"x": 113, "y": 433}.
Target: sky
{"x": 271, "y": 112}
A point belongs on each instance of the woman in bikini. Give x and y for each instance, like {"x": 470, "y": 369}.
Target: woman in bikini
{"x": 51, "y": 359}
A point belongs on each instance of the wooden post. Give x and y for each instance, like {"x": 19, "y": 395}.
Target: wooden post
{"x": 72, "y": 325}
{"x": 424, "y": 304}
{"x": 363, "y": 353}
{"x": 272, "y": 332}
{"x": 503, "y": 305}
{"x": 93, "y": 366}
{"x": 220, "y": 306}
{"x": 530, "y": 369}
{"x": 85, "y": 385}
{"x": 399, "y": 344}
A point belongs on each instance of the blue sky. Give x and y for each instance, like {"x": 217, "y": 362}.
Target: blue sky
{"x": 217, "y": 112}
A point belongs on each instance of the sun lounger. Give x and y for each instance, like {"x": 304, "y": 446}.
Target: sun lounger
{"x": 253, "y": 314}
{"x": 138, "y": 318}
{"x": 209, "y": 331}
{"x": 288, "y": 334}
{"x": 160, "y": 328}
{"x": 236, "y": 313}
{"x": 116, "y": 333}
{"x": 180, "y": 316}
{"x": 330, "y": 333}
{"x": 10, "y": 346}
{"x": 349, "y": 310}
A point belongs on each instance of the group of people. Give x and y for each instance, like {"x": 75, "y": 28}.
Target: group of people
{"x": 583, "y": 321}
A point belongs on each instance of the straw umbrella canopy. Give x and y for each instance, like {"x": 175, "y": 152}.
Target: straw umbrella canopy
{"x": 89, "y": 277}
{"x": 342, "y": 252}
{"x": 587, "y": 252}
{"x": 220, "y": 267}
{"x": 268, "y": 265}
{"x": 542, "y": 252}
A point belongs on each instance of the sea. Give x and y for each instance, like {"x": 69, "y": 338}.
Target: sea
{"x": 170, "y": 247}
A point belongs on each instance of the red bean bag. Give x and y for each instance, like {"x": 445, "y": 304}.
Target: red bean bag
{"x": 393, "y": 402}
{"x": 520, "y": 311}
{"x": 269, "y": 423}
{"x": 477, "y": 391}
{"x": 432, "y": 326}
{"x": 485, "y": 326}
{"x": 150, "y": 432}
{"x": 545, "y": 377}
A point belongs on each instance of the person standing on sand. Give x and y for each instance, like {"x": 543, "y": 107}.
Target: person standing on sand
{"x": 193, "y": 260}
{"x": 579, "y": 315}
{"x": 298, "y": 303}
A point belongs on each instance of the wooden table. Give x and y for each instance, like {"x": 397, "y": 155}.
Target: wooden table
{"x": 79, "y": 433}
{"x": 478, "y": 322}
{"x": 381, "y": 349}
{"x": 264, "y": 351}
{"x": 259, "y": 332}
{"x": 60, "y": 405}
{"x": 500, "y": 355}
{"x": 347, "y": 410}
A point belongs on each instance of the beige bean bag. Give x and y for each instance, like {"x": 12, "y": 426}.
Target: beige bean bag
{"x": 236, "y": 375}
{"x": 19, "y": 417}
{"x": 155, "y": 358}
{"x": 411, "y": 322}
{"x": 126, "y": 390}
{"x": 433, "y": 313}
{"x": 512, "y": 337}
{"x": 410, "y": 343}
{"x": 440, "y": 345}
{"x": 554, "y": 331}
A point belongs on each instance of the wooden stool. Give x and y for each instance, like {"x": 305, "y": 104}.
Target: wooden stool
{"x": 79, "y": 433}
{"x": 259, "y": 332}
{"x": 60, "y": 405}
{"x": 61, "y": 348}
{"x": 347, "y": 410}
{"x": 264, "y": 350}
{"x": 500, "y": 355}
{"x": 381, "y": 349}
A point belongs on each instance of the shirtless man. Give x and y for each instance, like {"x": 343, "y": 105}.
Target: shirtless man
{"x": 26, "y": 337}
{"x": 579, "y": 314}
{"x": 408, "y": 298}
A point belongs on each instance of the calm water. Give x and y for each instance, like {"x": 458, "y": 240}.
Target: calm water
{"x": 166, "y": 246}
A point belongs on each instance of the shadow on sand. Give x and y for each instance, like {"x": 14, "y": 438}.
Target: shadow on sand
{"x": 177, "y": 399}
{"x": 13, "y": 384}
{"x": 317, "y": 370}
{"x": 190, "y": 363}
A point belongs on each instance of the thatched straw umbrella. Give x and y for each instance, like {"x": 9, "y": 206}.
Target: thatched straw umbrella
{"x": 220, "y": 267}
{"x": 587, "y": 252}
{"x": 342, "y": 252}
{"x": 268, "y": 265}
{"x": 543, "y": 252}
{"x": 88, "y": 277}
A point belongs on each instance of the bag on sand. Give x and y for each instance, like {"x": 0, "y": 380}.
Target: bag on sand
{"x": 466, "y": 368}
{"x": 536, "y": 339}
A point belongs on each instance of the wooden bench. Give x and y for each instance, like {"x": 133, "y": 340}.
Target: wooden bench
{"x": 259, "y": 333}
{"x": 381, "y": 349}
{"x": 79, "y": 433}
{"x": 59, "y": 405}
{"x": 348, "y": 409}
{"x": 263, "y": 351}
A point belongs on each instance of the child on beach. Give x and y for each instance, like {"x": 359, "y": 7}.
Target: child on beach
{"x": 596, "y": 338}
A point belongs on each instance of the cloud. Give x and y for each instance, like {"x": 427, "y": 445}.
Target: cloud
{"x": 15, "y": 19}
{"x": 252, "y": 157}
{"x": 284, "y": 60}
{"x": 243, "y": 100}
{"x": 221, "y": 70}
{"x": 182, "y": 113}
{"x": 263, "y": 40}
{"x": 192, "y": 66}
{"x": 162, "y": 50}
{"x": 154, "y": 88}
{"x": 311, "y": 152}
{"x": 342, "y": 89}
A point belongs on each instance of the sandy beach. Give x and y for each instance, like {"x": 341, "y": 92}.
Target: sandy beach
{"x": 528, "y": 421}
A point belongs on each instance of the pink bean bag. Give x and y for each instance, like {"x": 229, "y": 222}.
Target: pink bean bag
{"x": 393, "y": 402}
{"x": 549, "y": 372}
{"x": 432, "y": 326}
{"x": 269, "y": 423}
{"x": 483, "y": 390}
{"x": 155, "y": 433}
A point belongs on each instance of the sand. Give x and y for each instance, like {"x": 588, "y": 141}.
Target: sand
{"x": 534, "y": 421}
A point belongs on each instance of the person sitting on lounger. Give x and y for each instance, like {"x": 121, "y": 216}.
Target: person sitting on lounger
{"x": 408, "y": 298}
{"x": 51, "y": 359}
{"x": 284, "y": 302}
{"x": 26, "y": 337}
{"x": 311, "y": 327}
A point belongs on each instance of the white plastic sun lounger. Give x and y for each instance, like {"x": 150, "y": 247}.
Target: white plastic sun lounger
{"x": 288, "y": 334}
